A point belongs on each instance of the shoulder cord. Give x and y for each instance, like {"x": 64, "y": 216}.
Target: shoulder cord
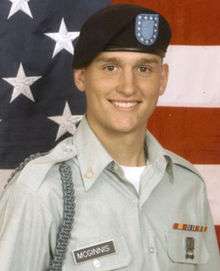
{"x": 64, "y": 231}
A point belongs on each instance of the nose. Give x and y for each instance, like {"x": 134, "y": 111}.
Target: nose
{"x": 126, "y": 83}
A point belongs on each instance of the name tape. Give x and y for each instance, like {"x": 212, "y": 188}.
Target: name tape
{"x": 93, "y": 252}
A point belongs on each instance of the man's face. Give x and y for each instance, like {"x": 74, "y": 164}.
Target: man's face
{"x": 122, "y": 89}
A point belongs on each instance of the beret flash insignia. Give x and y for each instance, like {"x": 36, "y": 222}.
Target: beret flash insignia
{"x": 147, "y": 28}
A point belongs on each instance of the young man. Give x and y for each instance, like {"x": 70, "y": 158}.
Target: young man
{"x": 137, "y": 206}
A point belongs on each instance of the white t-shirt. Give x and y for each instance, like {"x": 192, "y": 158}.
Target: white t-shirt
{"x": 133, "y": 174}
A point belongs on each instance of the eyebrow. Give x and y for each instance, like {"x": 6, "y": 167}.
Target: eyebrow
{"x": 151, "y": 60}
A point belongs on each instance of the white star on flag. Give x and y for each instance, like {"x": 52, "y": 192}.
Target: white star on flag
{"x": 67, "y": 121}
{"x": 21, "y": 84}
{"x": 20, "y": 5}
{"x": 63, "y": 39}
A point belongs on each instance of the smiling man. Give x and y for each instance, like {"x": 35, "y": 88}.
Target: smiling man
{"x": 111, "y": 197}
{"x": 122, "y": 89}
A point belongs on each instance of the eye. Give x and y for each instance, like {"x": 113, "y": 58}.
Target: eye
{"x": 110, "y": 67}
{"x": 144, "y": 68}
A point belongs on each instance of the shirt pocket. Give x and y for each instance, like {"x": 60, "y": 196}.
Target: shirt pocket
{"x": 187, "y": 247}
{"x": 101, "y": 253}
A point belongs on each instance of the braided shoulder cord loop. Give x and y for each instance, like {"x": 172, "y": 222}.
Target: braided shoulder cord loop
{"x": 64, "y": 232}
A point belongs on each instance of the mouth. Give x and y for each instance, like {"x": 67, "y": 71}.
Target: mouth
{"x": 124, "y": 105}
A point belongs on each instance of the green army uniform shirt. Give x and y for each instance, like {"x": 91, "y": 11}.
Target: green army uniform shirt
{"x": 167, "y": 226}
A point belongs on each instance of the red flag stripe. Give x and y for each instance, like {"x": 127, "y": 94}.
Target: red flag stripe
{"x": 193, "y": 133}
{"x": 193, "y": 22}
{"x": 217, "y": 228}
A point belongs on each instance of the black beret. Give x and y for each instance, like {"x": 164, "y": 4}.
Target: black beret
{"x": 121, "y": 27}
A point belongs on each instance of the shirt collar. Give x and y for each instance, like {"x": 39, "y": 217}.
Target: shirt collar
{"x": 93, "y": 158}
{"x": 158, "y": 156}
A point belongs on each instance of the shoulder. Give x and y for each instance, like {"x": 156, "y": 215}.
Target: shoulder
{"x": 184, "y": 165}
{"x": 44, "y": 194}
{"x": 34, "y": 171}
{"x": 35, "y": 179}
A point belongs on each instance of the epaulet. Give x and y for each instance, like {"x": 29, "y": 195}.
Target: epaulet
{"x": 34, "y": 168}
{"x": 180, "y": 161}
{"x": 17, "y": 170}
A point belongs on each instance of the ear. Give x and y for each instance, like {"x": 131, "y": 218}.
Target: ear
{"x": 79, "y": 79}
{"x": 164, "y": 78}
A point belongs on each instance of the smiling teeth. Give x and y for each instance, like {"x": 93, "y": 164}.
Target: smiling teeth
{"x": 124, "y": 104}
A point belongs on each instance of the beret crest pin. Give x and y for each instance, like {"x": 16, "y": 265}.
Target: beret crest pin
{"x": 147, "y": 28}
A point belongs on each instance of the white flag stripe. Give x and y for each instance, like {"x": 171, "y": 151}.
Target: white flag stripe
{"x": 194, "y": 77}
{"x": 211, "y": 174}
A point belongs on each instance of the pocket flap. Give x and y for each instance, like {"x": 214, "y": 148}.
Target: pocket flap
{"x": 187, "y": 247}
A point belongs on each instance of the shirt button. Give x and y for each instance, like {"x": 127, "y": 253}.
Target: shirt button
{"x": 96, "y": 263}
{"x": 151, "y": 250}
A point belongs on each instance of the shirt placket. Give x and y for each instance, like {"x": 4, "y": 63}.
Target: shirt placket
{"x": 150, "y": 180}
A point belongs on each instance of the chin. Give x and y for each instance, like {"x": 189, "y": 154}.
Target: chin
{"x": 121, "y": 127}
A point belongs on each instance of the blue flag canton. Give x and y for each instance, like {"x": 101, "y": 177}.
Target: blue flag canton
{"x": 38, "y": 100}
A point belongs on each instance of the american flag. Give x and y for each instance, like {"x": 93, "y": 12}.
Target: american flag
{"x": 39, "y": 104}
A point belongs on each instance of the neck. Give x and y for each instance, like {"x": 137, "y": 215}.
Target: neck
{"x": 125, "y": 148}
